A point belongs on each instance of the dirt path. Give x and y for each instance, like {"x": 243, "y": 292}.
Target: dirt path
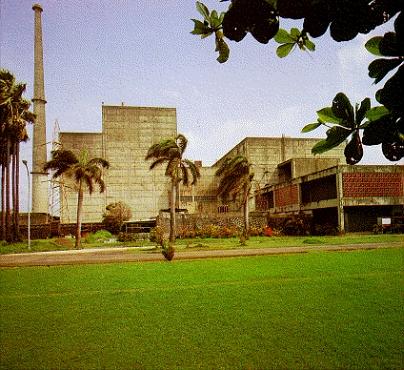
{"x": 113, "y": 255}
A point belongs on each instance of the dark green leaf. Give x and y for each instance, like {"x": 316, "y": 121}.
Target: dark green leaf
{"x": 311, "y": 127}
{"x": 310, "y": 45}
{"x": 361, "y": 112}
{"x": 327, "y": 115}
{"x": 283, "y": 50}
{"x": 353, "y": 150}
{"x": 372, "y": 46}
{"x": 392, "y": 94}
{"x": 201, "y": 28}
{"x": 342, "y": 108}
{"x": 389, "y": 46}
{"x": 283, "y": 37}
{"x": 376, "y": 113}
{"x": 295, "y": 33}
{"x": 264, "y": 31}
{"x": 214, "y": 19}
{"x": 203, "y": 10}
{"x": 335, "y": 136}
{"x": 379, "y": 131}
{"x": 380, "y": 67}
{"x": 221, "y": 17}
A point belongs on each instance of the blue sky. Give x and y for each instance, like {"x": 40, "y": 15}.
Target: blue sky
{"x": 142, "y": 53}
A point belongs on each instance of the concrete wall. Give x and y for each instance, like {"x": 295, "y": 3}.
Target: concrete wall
{"x": 305, "y": 166}
{"x": 94, "y": 204}
{"x": 366, "y": 192}
{"x": 201, "y": 198}
{"x": 127, "y": 134}
{"x": 369, "y": 181}
{"x": 266, "y": 153}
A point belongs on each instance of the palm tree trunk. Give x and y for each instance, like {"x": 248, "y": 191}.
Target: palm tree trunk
{"x": 172, "y": 211}
{"x": 12, "y": 162}
{"x": 3, "y": 200}
{"x": 246, "y": 215}
{"x": 80, "y": 198}
{"x": 8, "y": 211}
{"x": 17, "y": 192}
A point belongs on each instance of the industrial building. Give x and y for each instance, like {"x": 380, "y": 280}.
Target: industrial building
{"x": 350, "y": 198}
{"x": 128, "y": 132}
{"x": 288, "y": 178}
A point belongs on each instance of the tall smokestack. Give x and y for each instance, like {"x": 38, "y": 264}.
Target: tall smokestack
{"x": 39, "y": 177}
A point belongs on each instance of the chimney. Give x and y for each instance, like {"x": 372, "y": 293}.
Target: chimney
{"x": 39, "y": 177}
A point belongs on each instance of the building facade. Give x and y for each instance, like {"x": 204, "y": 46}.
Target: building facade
{"x": 351, "y": 198}
{"x": 128, "y": 132}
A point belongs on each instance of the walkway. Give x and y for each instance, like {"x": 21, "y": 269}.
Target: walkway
{"x": 132, "y": 254}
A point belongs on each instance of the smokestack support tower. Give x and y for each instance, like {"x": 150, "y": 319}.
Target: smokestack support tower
{"x": 39, "y": 177}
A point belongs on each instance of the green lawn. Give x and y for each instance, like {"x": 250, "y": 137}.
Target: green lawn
{"x": 208, "y": 243}
{"x": 317, "y": 310}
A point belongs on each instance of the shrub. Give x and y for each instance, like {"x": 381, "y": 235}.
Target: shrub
{"x": 268, "y": 231}
{"x": 115, "y": 215}
{"x": 126, "y": 237}
{"x": 377, "y": 229}
{"x": 157, "y": 235}
{"x": 229, "y": 232}
{"x": 256, "y": 231}
{"x": 185, "y": 232}
{"x": 65, "y": 242}
{"x": 325, "y": 229}
{"x": 297, "y": 225}
{"x": 99, "y": 236}
{"x": 168, "y": 252}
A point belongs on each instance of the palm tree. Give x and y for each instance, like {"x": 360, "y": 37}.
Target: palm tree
{"x": 235, "y": 181}
{"x": 14, "y": 116}
{"x": 83, "y": 171}
{"x": 19, "y": 134}
{"x": 170, "y": 151}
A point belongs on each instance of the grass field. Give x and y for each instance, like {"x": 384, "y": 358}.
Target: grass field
{"x": 208, "y": 243}
{"x": 317, "y": 310}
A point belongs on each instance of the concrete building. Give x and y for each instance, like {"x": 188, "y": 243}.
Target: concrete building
{"x": 127, "y": 133}
{"x": 352, "y": 198}
{"x": 288, "y": 178}
{"x": 265, "y": 154}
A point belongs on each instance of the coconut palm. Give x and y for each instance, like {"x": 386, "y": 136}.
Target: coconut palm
{"x": 235, "y": 181}
{"x": 170, "y": 151}
{"x": 83, "y": 171}
{"x": 14, "y": 116}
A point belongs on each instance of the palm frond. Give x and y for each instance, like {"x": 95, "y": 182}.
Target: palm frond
{"x": 181, "y": 142}
{"x": 88, "y": 180}
{"x": 101, "y": 184}
{"x": 158, "y": 162}
{"x": 160, "y": 149}
{"x": 61, "y": 161}
{"x": 184, "y": 174}
{"x": 195, "y": 172}
{"x": 100, "y": 162}
{"x": 235, "y": 177}
{"x": 172, "y": 168}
